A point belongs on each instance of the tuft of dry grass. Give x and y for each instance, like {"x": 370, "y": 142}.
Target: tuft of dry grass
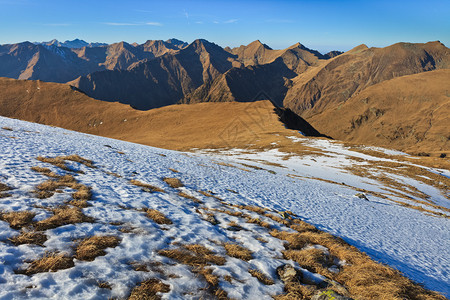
{"x": 4, "y": 187}
{"x": 184, "y": 195}
{"x": 259, "y": 222}
{"x": 173, "y": 182}
{"x": 36, "y": 238}
{"x": 79, "y": 159}
{"x": 157, "y": 216}
{"x": 237, "y": 251}
{"x": 263, "y": 278}
{"x": 209, "y": 194}
{"x": 173, "y": 170}
{"x": 50, "y": 262}
{"x": 7, "y": 128}
{"x": 79, "y": 203}
{"x": 193, "y": 255}
{"x": 211, "y": 279}
{"x": 314, "y": 260}
{"x": 147, "y": 187}
{"x": 18, "y": 219}
{"x": 62, "y": 216}
{"x": 45, "y": 171}
{"x": 104, "y": 285}
{"x": 148, "y": 290}
{"x": 89, "y": 248}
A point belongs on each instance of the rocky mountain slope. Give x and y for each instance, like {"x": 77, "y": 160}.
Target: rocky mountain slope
{"x": 203, "y": 72}
{"x": 350, "y": 73}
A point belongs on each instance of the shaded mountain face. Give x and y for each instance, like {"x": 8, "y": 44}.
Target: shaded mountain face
{"x": 350, "y": 73}
{"x": 62, "y": 62}
{"x": 204, "y": 72}
{"x": 162, "y": 81}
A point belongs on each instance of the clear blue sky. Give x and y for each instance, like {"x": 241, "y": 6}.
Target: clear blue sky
{"x": 319, "y": 24}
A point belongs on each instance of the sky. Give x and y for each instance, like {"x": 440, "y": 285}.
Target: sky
{"x": 324, "y": 25}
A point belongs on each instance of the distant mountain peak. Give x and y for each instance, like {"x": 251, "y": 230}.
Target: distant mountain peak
{"x": 258, "y": 43}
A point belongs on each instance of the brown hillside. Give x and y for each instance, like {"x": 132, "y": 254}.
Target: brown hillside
{"x": 411, "y": 113}
{"x": 179, "y": 127}
{"x": 350, "y": 73}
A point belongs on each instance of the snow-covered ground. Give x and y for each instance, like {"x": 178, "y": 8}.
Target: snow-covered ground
{"x": 415, "y": 242}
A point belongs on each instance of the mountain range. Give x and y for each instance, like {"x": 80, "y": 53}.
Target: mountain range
{"x": 355, "y": 96}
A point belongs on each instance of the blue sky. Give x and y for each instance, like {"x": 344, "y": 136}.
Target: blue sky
{"x": 320, "y": 24}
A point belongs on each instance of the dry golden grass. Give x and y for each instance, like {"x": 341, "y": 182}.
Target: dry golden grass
{"x": 45, "y": 171}
{"x": 157, "y": 216}
{"x": 297, "y": 291}
{"x": 173, "y": 170}
{"x": 62, "y": 216}
{"x": 211, "y": 279}
{"x": 7, "y": 128}
{"x": 173, "y": 182}
{"x": 4, "y": 187}
{"x": 364, "y": 278}
{"x": 148, "y": 290}
{"x": 193, "y": 255}
{"x": 146, "y": 186}
{"x": 259, "y": 222}
{"x": 79, "y": 159}
{"x": 50, "y": 262}
{"x": 209, "y": 194}
{"x": 56, "y": 161}
{"x": 313, "y": 260}
{"x": 263, "y": 278}
{"x": 104, "y": 285}
{"x": 89, "y": 248}
{"x": 36, "y": 238}
{"x": 189, "y": 197}
{"x": 18, "y": 219}
{"x": 79, "y": 203}
{"x": 237, "y": 251}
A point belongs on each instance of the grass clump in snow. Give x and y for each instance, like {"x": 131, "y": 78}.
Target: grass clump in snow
{"x": 89, "y": 248}
{"x": 259, "y": 222}
{"x": 157, "y": 216}
{"x": 360, "y": 275}
{"x": 146, "y": 187}
{"x": 184, "y": 195}
{"x": 18, "y": 219}
{"x": 50, "y": 262}
{"x": 237, "y": 251}
{"x": 4, "y": 188}
{"x": 44, "y": 171}
{"x": 36, "y": 238}
{"x": 173, "y": 182}
{"x": 193, "y": 255}
{"x": 62, "y": 216}
{"x": 149, "y": 289}
{"x": 7, "y": 128}
{"x": 263, "y": 278}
